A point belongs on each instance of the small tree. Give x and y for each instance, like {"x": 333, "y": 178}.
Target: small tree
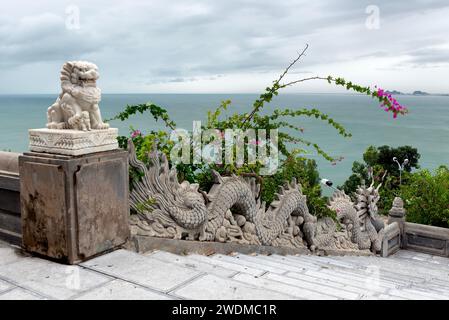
{"x": 426, "y": 197}
{"x": 384, "y": 170}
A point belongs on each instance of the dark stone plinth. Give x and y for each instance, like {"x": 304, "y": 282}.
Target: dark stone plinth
{"x": 74, "y": 207}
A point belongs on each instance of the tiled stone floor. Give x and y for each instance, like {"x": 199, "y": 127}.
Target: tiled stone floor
{"x": 161, "y": 275}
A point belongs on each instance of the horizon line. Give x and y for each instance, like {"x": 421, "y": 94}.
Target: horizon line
{"x": 222, "y": 93}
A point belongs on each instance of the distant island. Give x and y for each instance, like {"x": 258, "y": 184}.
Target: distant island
{"x": 417, "y": 93}
{"x": 420, "y": 93}
{"x": 394, "y": 92}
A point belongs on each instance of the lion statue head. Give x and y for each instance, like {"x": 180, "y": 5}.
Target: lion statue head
{"x": 80, "y": 73}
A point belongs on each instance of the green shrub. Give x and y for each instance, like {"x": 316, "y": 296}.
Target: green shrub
{"x": 380, "y": 159}
{"x": 426, "y": 197}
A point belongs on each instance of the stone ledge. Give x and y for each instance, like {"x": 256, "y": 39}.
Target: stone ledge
{"x": 72, "y": 142}
{"x": 142, "y": 244}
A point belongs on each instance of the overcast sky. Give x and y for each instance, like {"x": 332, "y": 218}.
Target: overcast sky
{"x": 224, "y": 45}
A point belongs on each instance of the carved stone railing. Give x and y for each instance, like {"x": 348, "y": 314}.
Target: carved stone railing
{"x": 427, "y": 239}
{"x": 400, "y": 234}
{"x": 10, "y": 225}
{"x": 231, "y": 216}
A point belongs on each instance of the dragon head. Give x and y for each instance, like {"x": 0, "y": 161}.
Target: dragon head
{"x": 342, "y": 205}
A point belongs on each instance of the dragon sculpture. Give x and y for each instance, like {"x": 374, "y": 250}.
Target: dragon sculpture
{"x": 232, "y": 210}
{"x": 361, "y": 219}
{"x": 77, "y": 106}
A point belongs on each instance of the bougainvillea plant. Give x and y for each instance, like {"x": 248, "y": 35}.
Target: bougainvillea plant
{"x": 277, "y": 119}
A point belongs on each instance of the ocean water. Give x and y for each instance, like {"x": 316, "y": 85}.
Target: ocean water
{"x": 426, "y": 127}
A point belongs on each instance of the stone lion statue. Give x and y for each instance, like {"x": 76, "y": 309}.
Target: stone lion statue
{"x": 77, "y": 106}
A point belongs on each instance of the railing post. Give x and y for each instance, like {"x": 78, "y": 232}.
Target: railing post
{"x": 397, "y": 214}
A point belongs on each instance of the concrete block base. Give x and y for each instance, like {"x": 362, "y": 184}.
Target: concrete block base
{"x": 74, "y": 208}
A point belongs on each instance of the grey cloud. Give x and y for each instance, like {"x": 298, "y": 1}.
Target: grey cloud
{"x": 430, "y": 55}
{"x": 152, "y": 42}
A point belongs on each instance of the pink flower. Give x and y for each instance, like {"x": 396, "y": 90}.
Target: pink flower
{"x": 380, "y": 92}
{"x": 390, "y": 103}
{"x": 136, "y": 133}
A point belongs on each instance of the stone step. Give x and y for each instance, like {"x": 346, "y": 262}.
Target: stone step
{"x": 20, "y": 294}
{"x": 358, "y": 274}
{"x": 213, "y": 287}
{"x": 268, "y": 261}
{"x": 9, "y": 254}
{"x": 372, "y": 274}
{"x": 440, "y": 282}
{"x": 367, "y": 269}
{"x": 231, "y": 265}
{"x": 353, "y": 279}
{"x": 384, "y": 297}
{"x": 404, "y": 265}
{"x": 415, "y": 294}
{"x": 142, "y": 270}
{"x": 122, "y": 290}
{"x": 50, "y": 279}
{"x": 290, "y": 261}
{"x": 327, "y": 260}
{"x": 310, "y": 261}
{"x": 394, "y": 260}
{"x": 245, "y": 262}
{"x": 438, "y": 289}
{"x": 338, "y": 283}
{"x": 4, "y": 286}
{"x": 313, "y": 286}
{"x": 188, "y": 262}
{"x": 408, "y": 254}
{"x": 399, "y": 268}
{"x": 296, "y": 291}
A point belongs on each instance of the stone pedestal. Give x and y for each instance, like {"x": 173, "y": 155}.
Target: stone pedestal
{"x": 397, "y": 213}
{"x": 74, "y": 207}
{"x": 73, "y": 142}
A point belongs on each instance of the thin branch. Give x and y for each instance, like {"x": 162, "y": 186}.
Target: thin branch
{"x": 275, "y": 85}
{"x": 303, "y": 80}
{"x": 293, "y": 62}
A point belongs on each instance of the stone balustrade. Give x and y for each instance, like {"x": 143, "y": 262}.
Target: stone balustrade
{"x": 9, "y": 161}
{"x": 10, "y": 225}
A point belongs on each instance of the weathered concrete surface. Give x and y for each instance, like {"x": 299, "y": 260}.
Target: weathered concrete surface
{"x": 162, "y": 275}
{"x": 73, "y": 208}
{"x": 122, "y": 290}
{"x": 141, "y": 270}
